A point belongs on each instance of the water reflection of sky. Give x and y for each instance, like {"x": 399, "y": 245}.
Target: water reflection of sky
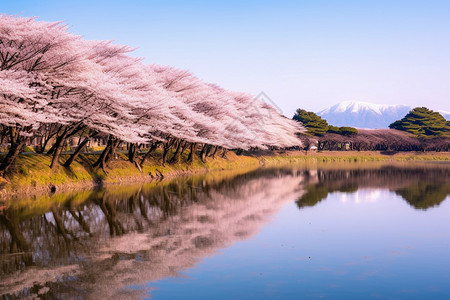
{"x": 361, "y": 196}
{"x": 265, "y": 233}
{"x": 365, "y": 244}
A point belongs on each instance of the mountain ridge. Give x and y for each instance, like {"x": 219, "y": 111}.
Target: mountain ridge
{"x": 364, "y": 114}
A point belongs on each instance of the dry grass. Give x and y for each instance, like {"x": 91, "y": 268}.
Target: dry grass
{"x": 355, "y": 156}
{"x": 32, "y": 173}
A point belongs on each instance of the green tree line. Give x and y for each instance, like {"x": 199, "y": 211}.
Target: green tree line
{"x": 420, "y": 121}
{"x": 317, "y": 126}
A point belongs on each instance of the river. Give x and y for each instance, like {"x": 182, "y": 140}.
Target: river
{"x": 300, "y": 232}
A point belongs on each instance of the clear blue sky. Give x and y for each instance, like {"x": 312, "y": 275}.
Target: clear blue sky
{"x": 308, "y": 54}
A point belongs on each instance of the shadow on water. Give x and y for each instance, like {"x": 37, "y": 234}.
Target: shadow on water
{"x": 422, "y": 187}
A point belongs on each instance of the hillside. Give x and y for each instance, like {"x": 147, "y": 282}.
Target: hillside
{"x": 363, "y": 114}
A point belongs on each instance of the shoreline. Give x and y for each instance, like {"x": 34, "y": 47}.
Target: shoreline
{"x": 33, "y": 177}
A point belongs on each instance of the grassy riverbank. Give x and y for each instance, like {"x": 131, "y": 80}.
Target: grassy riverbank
{"x": 32, "y": 174}
{"x": 355, "y": 156}
{"x": 35, "y": 204}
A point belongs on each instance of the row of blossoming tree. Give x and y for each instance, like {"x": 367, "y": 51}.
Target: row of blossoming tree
{"x": 54, "y": 85}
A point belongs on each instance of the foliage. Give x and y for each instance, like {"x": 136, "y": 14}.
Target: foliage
{"x": 313, "y": 195}
{"x": 333, "y": 129}
{"x": 383, "y": 140}
{"x": 348, "y": 130}
{"x": 422, "y": 121}
{"x": 424, "y": 195}
{"x": 422, "y": 187}
{"x": 314, "y": 124}
{"x": 54, "y": 85}
{"x": 344, "y": 130}
{"x": 317, "y": 126}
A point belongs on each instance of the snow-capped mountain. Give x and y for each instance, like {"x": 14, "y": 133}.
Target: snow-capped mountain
{"x": 363, "y": 114}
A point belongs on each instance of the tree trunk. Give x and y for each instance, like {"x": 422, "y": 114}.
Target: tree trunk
{"x": 208, "y": 150}
{"x": 191, "y": 152}
{"x": 101, "y": 160}
{"x": 76, "y": 153}
{"x": 202, "y": 152}
{"x": 110, "y": 155}
{"x": 59, "y": 144}
{"x": 183, "y": 148}
{"x": 214, "y": 152}
{"x": 67, "y": 131}
{"x": 52, "y": 149}
{"x": 55, "y": 145}
{"x": 147, "y": 155}
{"x": 176, "y": 156}
{"x": 3, "y": 135}
{"x": 60, "y": 224}
{"x": 17, "y": 145}
{"x": 164, "y": 154}
{"x": 205, "y": 152}
{"x": 79, "y": 218}
{"x": 166, "y": 147}
{"x": 18, "y": 242}
{"x": 45, "y": 141}
{"x": 224, "y": 153}
{"x": 109, "y": 210}
{"x": 132, "y": 152}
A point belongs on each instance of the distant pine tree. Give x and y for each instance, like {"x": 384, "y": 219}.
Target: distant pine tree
{"x": 333, "y": 129}
{"x": 345, "y": 130}
{"x": 313, "y": 123}
{"x": 422, "y": 121}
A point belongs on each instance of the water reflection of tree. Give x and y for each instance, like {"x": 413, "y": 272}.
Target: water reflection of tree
{"x": 18, "y": 255}
{"x": 180, "y": 220}
{"x": 316, "y": 193}
{"x": 422, "y": 188}
{"x": 424, "y": 195}
{"x": 68, "y": 232}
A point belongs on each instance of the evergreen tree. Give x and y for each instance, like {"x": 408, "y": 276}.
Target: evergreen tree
{"x": 345, "y": 130}
{"x": 422, "y": 121}
{"x": 313, "y": 123}
{"x": 333, "y": 129}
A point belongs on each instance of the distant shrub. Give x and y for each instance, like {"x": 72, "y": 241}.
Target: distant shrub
{"x": 333, "y": 129}
{"x": 348, "y": 131}
{"x": 345, "y": 130}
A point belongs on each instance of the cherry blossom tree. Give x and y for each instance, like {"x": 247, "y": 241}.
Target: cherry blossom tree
{"x": 56, "y": 85}
{"x": 37, "y": 52}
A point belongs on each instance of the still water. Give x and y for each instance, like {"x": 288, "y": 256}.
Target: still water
{"x": 303, "y": 232}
